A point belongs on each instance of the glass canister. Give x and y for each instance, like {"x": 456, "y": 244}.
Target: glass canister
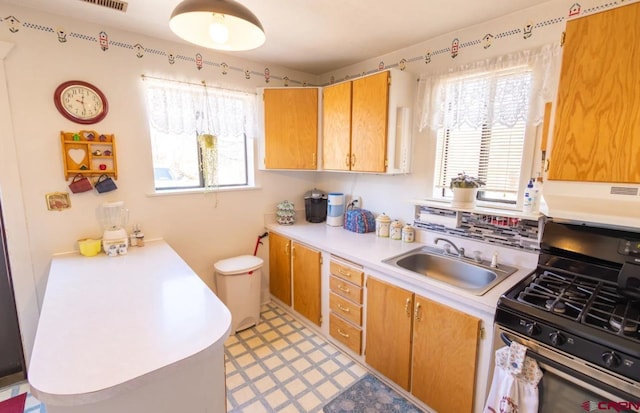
{"x": 395, "y": 230}
{"x": 408, "y": 233}
{"x": 383, "y": 222}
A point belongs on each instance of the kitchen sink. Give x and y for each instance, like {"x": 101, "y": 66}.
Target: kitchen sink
{"x": 477, "y": 277}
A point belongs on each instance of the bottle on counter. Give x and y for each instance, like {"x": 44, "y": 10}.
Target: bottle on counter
{"x": 527, "y": 205}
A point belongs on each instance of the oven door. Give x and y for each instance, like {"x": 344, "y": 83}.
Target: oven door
{"x": 570, "y": 385}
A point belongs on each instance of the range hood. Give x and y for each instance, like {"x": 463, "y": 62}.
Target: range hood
{"x": 600, "y": 204}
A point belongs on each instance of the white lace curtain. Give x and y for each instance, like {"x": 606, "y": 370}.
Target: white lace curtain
{"x": 462, "y": 103}
{"x": 187, "y": 109}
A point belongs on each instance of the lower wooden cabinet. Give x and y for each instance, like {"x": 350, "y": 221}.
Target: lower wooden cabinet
{"x": 306, "y": 282}
{"x": 294, "y": 276}
{"x": 425, "y": 347}
{"x": 388, "y": 330}
{"x": 444, "y": 356}
{"x": 280, "y": 267}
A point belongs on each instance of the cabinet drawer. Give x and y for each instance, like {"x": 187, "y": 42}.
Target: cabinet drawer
{"x": 345, "y": 333}
{"x": 346, "y": 272}
{"x": 345, "y": 308}
{"x": 345, "y": 289}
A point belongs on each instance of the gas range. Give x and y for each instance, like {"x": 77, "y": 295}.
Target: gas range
{"x": 577, "y": 302}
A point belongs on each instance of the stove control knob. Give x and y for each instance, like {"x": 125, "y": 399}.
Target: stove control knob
{"x": 557, "y": 339}
{"x": 610, "y": 359}
{"x": 532, "y": 329}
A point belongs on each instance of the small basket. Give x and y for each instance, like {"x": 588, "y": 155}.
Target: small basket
{"x": 105, "y": 184}
{"x": 80, "y": 184}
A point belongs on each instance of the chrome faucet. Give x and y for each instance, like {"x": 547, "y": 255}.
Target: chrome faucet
{"x": 459, "y": 251}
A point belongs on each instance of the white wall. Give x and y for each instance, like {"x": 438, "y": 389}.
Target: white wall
{"x": 32, "y": 162}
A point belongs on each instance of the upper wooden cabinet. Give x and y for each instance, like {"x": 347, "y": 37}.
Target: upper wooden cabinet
{"x": 597, "y": 121}
{"x": 290, "y": 121}
{"x": 367, "y": 125}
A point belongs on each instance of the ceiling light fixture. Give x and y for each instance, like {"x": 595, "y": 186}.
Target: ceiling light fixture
{"x": 217, "y": 24}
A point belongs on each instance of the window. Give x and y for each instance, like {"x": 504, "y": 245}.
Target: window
{"x": 484, "y": 116}
{"x": 483, "y": 132}
{"x": 179, "y": 113}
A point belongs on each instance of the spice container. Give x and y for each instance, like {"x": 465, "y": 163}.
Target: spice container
{"x": 396, "y": 230}
{"x": 383, "y": 222}
{"x": 408, "y": 233}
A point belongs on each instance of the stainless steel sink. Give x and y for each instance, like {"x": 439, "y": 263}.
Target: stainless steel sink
{"x": 465, "y": 273}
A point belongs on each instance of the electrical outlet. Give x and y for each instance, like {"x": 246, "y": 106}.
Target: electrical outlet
{"x": 357, "y": 201}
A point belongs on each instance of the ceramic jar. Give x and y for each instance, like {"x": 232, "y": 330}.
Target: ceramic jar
{"x": 383, "y": 222}
{"x": 408, "y": 233}
{"x": 285, "y": 214}
{"x": 395, "y": 231}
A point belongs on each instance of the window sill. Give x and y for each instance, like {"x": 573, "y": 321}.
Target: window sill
{"x": 191, "y": 191}
{"x": 480, "y": 208}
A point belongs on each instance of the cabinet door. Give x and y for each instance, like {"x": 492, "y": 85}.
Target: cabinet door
{"x": 336, "y": 127}
{"x": 369, "y": 123}
{"x": 388, "y": 331}
{"x": 306, "y": 282}
{"x": 445, "y": 348}
{"x": 291, "y": 128}
{"x": 597, "y": 121}
{"x": 280, "y": 267}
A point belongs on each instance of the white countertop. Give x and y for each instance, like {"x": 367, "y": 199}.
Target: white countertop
{"x": 369, "y": 251}
{"x": 110, "y": 323}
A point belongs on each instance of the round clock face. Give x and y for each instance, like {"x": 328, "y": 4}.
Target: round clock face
{"x": 80, "y": 102}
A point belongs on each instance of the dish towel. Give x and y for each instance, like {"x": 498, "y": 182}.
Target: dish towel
{"x": 515, "y": 382}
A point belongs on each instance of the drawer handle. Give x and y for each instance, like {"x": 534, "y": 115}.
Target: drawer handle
{"x": 346, "y": 274}
{"x": 345, "y": 309}
{"x": 345, "y": 290}
{"x": 342, "y": 333}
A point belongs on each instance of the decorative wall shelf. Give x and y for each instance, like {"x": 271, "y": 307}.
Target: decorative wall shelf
{"x": 88, "y": 153}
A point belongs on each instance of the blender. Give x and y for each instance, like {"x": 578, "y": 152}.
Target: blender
{"x": 114, "y": 217}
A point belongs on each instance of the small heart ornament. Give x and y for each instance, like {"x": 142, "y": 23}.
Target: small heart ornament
{"x": 77, "y": 155}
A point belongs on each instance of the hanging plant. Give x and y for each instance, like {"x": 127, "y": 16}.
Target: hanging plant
{"x": 209, "y": 153}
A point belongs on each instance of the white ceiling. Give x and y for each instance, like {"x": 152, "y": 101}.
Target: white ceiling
{"x": 313, "y": 36}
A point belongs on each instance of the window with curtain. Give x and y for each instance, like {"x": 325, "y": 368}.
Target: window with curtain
{"x": 484, "y": 117}
{"x": 199, "y": 135}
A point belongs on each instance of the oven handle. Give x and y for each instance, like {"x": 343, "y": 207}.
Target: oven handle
{"x": 529, "y": 353}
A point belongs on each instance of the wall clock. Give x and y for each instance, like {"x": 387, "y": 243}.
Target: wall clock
{"x": 80, "y": 102}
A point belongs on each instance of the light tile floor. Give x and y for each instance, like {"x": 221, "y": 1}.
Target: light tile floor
{"x": 283, "y": 366}
{"x": 280, "y": 365}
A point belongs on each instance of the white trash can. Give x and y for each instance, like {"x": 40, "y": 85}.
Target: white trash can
{"x": 238, "y": 281}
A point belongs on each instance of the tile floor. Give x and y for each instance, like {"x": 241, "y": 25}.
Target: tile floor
{"x": 283, "y": 366}
{"x": 278, "y": 366}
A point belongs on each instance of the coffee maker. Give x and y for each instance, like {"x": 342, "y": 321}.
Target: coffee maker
{"x": 315, "y": 206}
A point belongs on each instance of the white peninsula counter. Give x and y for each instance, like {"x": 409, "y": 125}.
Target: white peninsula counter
{"x": 135, "y": 333}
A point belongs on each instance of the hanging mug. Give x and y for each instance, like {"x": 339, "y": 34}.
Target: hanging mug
{"x": 105, "y": 184}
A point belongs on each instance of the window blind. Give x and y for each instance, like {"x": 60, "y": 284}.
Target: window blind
{"x": 483, "y": 130}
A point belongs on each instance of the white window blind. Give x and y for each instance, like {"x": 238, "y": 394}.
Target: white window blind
{"x": 483, "y": 130}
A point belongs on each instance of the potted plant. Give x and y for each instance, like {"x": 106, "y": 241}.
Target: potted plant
{"x": 465, "y": 190}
